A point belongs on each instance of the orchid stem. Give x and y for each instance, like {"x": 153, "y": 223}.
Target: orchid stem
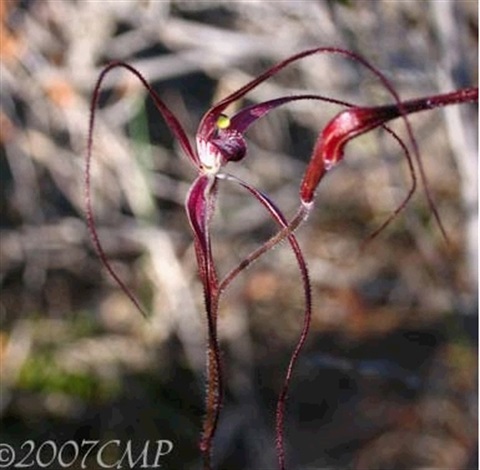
{"x": 287, "y": 230}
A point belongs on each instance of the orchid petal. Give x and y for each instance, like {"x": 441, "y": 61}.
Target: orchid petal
{"x": 172, "y": 122}
{"x": 200, "y": 205}
{"x": 247, "y": 116}
{"x": 351, "y": 123}
{"x": 278, "y": 216}
{"x": 208, "y": 124}
{"x": 176, "y": 129}
{"x": 228, "y": 139}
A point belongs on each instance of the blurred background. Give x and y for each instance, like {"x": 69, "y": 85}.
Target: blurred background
{"x": 388, "y": 378}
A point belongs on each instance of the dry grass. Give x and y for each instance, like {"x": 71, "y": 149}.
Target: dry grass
{"x": 75, "y": 353}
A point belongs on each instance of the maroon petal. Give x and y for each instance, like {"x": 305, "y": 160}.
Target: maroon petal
{"x": 247, "y": 116}
{"x": 208, "y": 123}
{"x": 200, "y": 204}
{"x": 278, "y": 216}
{"x": 351, "y": 123}
{"x": 229, "y": 142}
{"x": 176, "y": 129}
{"x": 172, "y": 122}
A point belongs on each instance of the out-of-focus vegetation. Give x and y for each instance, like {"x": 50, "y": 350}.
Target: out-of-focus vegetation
{"x": 389, "y": 377}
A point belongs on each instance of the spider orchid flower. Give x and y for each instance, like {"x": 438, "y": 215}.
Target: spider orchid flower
{"x": 220, "y": 140}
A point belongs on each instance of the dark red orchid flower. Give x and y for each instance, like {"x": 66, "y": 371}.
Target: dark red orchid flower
{"x": 219, "y": 141}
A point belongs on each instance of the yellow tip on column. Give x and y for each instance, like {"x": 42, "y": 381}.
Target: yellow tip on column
{"x": 223, "y": 121}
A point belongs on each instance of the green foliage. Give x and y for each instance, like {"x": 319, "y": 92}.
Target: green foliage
{"x": 40, "y": 373}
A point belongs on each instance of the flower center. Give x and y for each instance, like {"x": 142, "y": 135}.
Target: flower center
{"x": 210, "y": 157}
